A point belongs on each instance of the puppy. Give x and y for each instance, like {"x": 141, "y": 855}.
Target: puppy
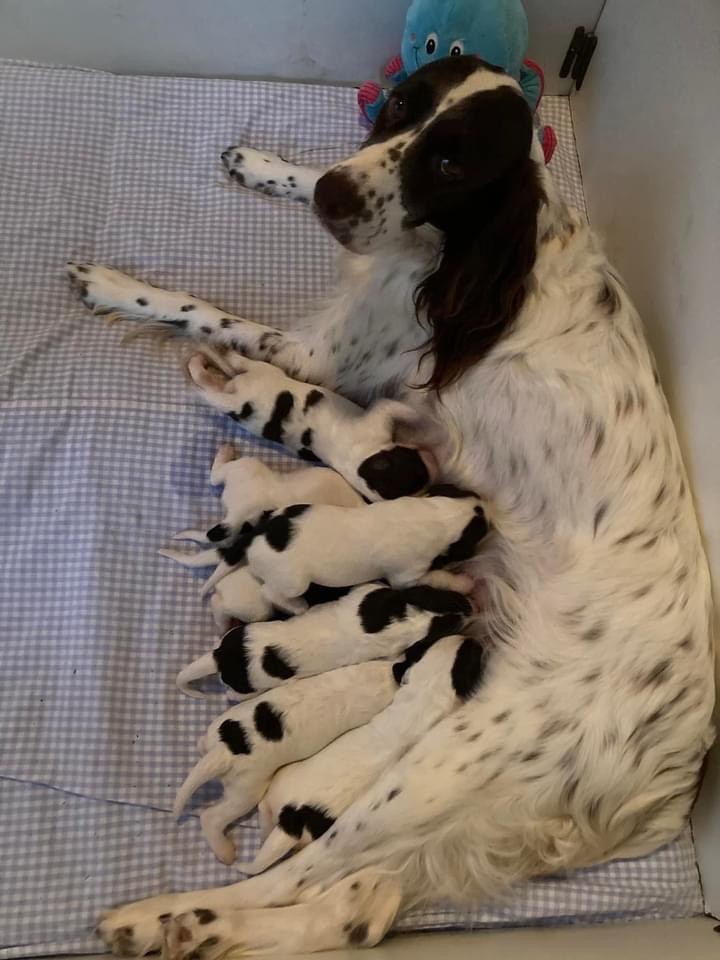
{"x": 372, "y": 621}
{"x": 400, "y": 542}
{"x": 304, "y": 799}
{"x": 248, "y": 743}
{"x": 250, "y": 489}
{"x": 319, "y": 425}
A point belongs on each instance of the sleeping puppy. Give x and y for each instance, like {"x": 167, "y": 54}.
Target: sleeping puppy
{"x": 251, "y": 489}
{"x": 317, "y": 424}
{"x": 399, "y": 541}
{"x": 305, "y": 798}
{"x": 248, "y": 743}
{"x": 372, "y": 621}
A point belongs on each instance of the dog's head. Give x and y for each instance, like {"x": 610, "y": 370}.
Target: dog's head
{"x": 451, "y": 149}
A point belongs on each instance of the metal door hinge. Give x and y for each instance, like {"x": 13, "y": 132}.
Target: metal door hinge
{"x": 578, "y": 56}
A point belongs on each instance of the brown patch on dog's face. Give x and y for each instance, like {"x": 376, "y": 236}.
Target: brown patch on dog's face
{"x": 442, "y": 133}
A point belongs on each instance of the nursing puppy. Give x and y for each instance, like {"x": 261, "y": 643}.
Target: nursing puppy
{"x": 373, "y": 621}
{"x": 336, "y": 546}
{"x": 304, "y": 798}
{"x": 250, "y": 489}
{"x": 248, "y": 743}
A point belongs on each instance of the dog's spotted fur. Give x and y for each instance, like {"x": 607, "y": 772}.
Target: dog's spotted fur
{"x": 585, "y": 738}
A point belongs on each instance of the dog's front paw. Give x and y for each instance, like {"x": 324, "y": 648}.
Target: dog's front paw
{"x": 107, "y": 291}
{"x": 265, "y": 173}
{"x": 138, "y": 928}
{"x": 198, "y": 934}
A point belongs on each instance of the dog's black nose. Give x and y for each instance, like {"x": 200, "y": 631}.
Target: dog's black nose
{"x": 337, "y": 196}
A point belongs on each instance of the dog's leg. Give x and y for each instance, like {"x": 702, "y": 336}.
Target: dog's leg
{"x": 109, "y": 292}
{"x": 317, "y": 424}
{"x": 355, "y": 912}
{"x": 271, "y": 175}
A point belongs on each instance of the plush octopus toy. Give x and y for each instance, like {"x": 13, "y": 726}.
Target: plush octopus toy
{"x": 495, "y": 30}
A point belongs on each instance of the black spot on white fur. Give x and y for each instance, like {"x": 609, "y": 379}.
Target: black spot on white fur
{"x": 234, "y": 737}
{"x": 468, "y": 668}
{"x": 317, "y": 820}
{"x": 234, "y": 552}
{"x": 440, "y": 626}
{"x": 245, "y": 412}
{"x": 232, "y": 661}
{"x": 204, "y": 916}
{"x": 278, "y": 530}
{"x": 465, "y": 546}
{"x": 275, "y": 664}
{"x": 397, "y": 472}
{"x": 274, "y": 429}
{"x": 317, "y": 593}
{"x": 381, "y": 607}
{"x": 290, "y": 820}
{"x": 218, "y": 533}
{"x": 268, "y": 722}
{"x": 313, "y": 398}
{"x": 294, "y": 820}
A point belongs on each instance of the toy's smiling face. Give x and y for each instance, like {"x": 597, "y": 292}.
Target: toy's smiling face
{"x": 493, "y": 30}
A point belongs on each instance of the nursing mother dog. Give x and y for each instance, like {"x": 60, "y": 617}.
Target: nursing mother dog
{"x": 471, "y": 292}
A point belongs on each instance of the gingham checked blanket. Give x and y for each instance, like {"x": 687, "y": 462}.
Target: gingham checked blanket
{"x": 104, "y": 454}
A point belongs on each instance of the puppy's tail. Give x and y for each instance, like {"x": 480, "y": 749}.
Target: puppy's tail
{"x": 204, "y": 558}
{"x": 204, "y": 666}
{"x": 194, "y": 536}
{"x": 277, "y": 845}
{"x": 214, "y": 764}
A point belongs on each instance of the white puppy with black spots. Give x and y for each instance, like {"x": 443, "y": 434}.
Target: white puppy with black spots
{"x": 372, "y": 621}
{"x": 250, "y": 489}
{"x": 246, "y": 745}
{"x": 305, "y": 798}
{"x": 402, "y": 541}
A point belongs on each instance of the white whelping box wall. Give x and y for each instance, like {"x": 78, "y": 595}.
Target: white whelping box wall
{"x": 648, "y": 132}
{"x": 332, "y": 41}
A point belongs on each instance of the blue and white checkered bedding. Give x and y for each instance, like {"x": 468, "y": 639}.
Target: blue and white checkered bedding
{"x": 104, "y": 453}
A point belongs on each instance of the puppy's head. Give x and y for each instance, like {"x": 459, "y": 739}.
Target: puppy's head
{"x": 397, "y": 471}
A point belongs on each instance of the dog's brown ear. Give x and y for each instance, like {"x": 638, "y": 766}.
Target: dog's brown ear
{"x": 481, "y": 281}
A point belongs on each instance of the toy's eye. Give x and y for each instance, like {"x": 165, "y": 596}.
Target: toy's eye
{"x": 397, "y": 108}
{"x": 450, "y": 169}
{"x": 431, "y": 43}
{"x": 457, "y": 48}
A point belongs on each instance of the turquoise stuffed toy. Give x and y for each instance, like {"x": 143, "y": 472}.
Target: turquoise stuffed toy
{"x": 495, "y": 30}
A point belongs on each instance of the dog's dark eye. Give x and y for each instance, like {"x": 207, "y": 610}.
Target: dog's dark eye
{"x": 397, "y": 108}
{"x": 449, "y": 169}
{"x": 431, "y": 44}
{"x": 457, "y": 48}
